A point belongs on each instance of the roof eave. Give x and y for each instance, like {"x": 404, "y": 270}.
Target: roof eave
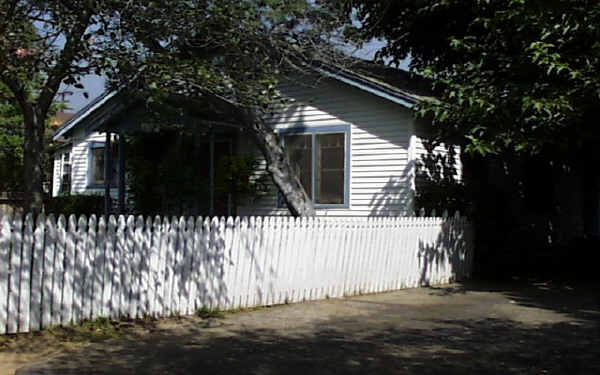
{"x": 352, "y": 80}
{"x": 78, "y": 118}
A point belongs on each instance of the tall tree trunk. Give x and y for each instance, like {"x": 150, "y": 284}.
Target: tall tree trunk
{"x": 33, "y": 159}
{"x": 278, "y": 166}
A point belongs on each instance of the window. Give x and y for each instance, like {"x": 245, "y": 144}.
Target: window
{"x": 96, "y": 165}
{"x": 319, "y": 156}
{"x": 65, "y": 177}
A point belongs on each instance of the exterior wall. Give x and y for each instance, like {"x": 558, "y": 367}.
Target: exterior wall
{"x": 80, "y": 149}
{"x": 381, "y": 174}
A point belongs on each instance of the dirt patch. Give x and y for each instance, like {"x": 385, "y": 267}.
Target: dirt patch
{"x": 516, "y": 328}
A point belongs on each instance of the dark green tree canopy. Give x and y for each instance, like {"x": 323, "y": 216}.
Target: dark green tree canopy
{"x": 512, "y": 75}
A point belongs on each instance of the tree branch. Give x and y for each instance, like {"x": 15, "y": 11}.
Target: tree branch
{"x": 65, "y": 62}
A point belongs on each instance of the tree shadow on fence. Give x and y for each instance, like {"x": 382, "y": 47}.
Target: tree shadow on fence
{"x": 453, "y": 249}
{"x": 81, "y": 269}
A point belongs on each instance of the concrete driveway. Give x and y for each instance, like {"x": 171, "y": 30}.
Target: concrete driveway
{"x": 475, "y": 328}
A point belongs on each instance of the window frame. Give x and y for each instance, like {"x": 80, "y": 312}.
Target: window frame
{"x": 90, "y": 185}
{"x": 65, "y": 159}
{"x": 313, "y": 132}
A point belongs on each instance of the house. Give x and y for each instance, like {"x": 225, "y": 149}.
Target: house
{"x": 349, "y": 133}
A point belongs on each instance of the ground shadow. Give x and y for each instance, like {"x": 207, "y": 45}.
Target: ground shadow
{"x": 574, "y": 299}
{"x": 361, "y": 345}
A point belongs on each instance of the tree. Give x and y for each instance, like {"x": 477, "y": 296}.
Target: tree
{"x": 224, "y": 54}
{"x": 11, "y": 146}
{"x": 517, "y": 82}
{"x": 515, "y": 76}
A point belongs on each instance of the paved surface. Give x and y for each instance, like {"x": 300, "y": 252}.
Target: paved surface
{"x": 460, "y": 329}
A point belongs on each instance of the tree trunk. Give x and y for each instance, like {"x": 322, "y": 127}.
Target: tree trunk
{"x": 33, "y": 159}
{"x": 278, "y": 166}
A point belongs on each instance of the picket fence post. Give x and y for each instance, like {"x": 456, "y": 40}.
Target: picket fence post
{"x": 5, "y": 234}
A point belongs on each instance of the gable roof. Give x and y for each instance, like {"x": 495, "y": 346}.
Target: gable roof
{"x": 90, "y": 109}
{"x": 396, "y": 85}
{"x": 392, "y": 84}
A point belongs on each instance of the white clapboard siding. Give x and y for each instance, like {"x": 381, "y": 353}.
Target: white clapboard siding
{"x": 380, "y": 134}
{"x": 385, "y": 146}
{"x": 64, "y": 272}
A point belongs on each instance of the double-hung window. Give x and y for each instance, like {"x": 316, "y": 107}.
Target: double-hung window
{"x": 320, "y": 158}
{"x": 96, "y": 165}
{"x": 65, "y": 177}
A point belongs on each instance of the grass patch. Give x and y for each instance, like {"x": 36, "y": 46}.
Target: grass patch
{"x": 207, "y": 313}
{"x": 96, "y": 330}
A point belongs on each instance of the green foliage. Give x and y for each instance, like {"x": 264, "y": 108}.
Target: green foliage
{"x": 236, "y": 175}
{"x": 511, "y": 75}
{"x": 437, "y": 184}
{"x": 11, "y": 146}
{"x": 168, "y": 173}
{"x": 208, "y": 313}
{"x": 77, "y": 204}
{"x": 235, "y": 49}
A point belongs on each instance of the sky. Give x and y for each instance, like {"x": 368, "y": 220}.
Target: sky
{"x": 93, "y": 85}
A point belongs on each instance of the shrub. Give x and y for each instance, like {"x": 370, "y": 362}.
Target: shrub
{"x": 78, "y": 204}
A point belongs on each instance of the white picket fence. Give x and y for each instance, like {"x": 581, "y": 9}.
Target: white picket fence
{"x": 66, "y": 271}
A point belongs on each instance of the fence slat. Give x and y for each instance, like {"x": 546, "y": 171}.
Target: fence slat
{"x": 49, "y": 267}
{"x": 111, "y": 270}
{"x": 69, "y": 260}
{"x": 187, "y": 267}
{"x": 35, "y": 320}
{"x": 243, "y": 264}
{"x": 108, "y": 266}
{"x": 132, "y": 269}
{"x": 179, "y": 248}
{"x": 25, "y": 275}
{"x": 78, "y": 269}
{"x": 98, "y": 268}
{"x": 154, "y": 280}
{"x": 170, "y": 266}
{"x": 118, "y": 270}
{"x": 162, "y": 267}
{"x": 143, "y": 234}
{"x": 89, "y": 276}
{"x": 5, "y": 235}
{"x": 15, "y": 267}
{"x": 58, "y": 277}
{"x": 195, "y": 261}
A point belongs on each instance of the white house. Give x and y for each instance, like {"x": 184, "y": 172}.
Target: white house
{"x": 349, "y": 134}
